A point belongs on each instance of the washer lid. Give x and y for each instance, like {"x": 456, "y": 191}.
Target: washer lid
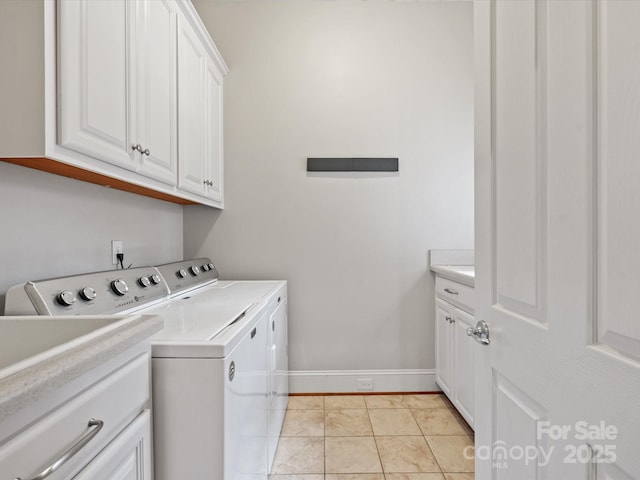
{"x": 197, "y": 320}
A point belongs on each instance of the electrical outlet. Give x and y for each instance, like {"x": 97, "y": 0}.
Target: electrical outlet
{"x": 117, "y": 246}
{"x": 364, "y": 383}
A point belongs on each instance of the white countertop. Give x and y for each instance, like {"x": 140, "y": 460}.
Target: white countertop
{"x": 465, "y": 274}
{"x": 61, "y": 365}
{"x": 455, "y": 265}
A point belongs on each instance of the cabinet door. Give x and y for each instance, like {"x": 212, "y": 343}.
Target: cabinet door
{"x": 213, "y": 133}
{"x": 128, "y": 457}
{"x": 463, "y": 352}
{"x": 93, "y": 109}
{"x": 191, "y": 110}
{"x": 444, "y": 366}
{"x": 154, "y": 89}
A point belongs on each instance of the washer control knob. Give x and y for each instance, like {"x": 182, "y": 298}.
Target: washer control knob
{"x": 155, "y": 279}
{"x": 119, "y": 287}
{"x": 181, "y": 273}
{"x": 194, "y": 270}
{"x": 144, "y": 282}
{"x": 211, "y": 267}
{"x": 88, "y": 293}
{"x": 205, "y": 267}
{"x": 66, "y": 298}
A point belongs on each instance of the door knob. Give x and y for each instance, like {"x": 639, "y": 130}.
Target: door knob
{"x": 480, "y": 333}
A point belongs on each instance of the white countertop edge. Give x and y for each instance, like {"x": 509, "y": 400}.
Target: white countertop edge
{"x": 450, "y": 257}
{"x": 464, "y": 274}
{"x": 25, "y": 387}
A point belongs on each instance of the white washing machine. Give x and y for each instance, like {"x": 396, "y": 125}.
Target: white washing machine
{"x": 219, "y": 367}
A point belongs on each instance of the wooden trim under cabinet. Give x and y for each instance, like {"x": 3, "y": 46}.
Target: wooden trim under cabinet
{"x": 58, "y": 168}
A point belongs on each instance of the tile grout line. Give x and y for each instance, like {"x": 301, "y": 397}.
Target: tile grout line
{"x": 375, "y": 442}
{"x": 424, "y": 437}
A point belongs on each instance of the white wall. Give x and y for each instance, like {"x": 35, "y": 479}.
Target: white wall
{"x": 345, "y": 78}
{"x": 54, "y": 226}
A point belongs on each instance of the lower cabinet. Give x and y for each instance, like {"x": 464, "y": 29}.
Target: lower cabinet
{"x": 95, "y": 427}
{"x": 462, "y": 354}
{"x": 127, "y": 457}
{"x": 455, "y": 357}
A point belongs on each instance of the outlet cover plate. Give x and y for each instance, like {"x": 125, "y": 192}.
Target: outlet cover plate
{"x": 117, "y": 246}
{"x": 364, "y": 384}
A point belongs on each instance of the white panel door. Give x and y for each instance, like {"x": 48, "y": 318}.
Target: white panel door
{"x": 213, "y": 133}
{"x": 93, "y": 90}
{"x": 128, "y": 457}
{"x": 463, "y": 359}
{"x": 557, "y": 209}
{"x": 155, "y": 126}
{"x": 191, "y": 110}
{"x": 444, "y": 370}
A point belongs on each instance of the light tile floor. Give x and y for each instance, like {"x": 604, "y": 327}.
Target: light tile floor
{"x": 373, "y": 437}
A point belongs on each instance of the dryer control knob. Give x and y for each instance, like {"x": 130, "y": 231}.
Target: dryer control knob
{"x": 155, "y": 279}
{"x": 88, "y": 293}
{"x": 119, "y": 287}
{"x": 194, "y": 270}
{"x": 205, "y": 267}
{"x": 181, "y": 273}
{"x": 211, "y": 267}
{"x": 144, "y": 282}
{"x": 66, "y": 298}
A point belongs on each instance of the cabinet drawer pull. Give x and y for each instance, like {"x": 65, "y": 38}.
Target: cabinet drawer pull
{"x": 69, "y": 454}
{"x": 253, "y": 333}
{"x": 451, "y": 291}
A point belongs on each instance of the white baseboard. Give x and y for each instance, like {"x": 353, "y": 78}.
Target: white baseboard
{"x": 345, "y": 381}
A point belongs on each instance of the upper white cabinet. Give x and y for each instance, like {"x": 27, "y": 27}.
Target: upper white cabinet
{"x": 93, "y": 53}
{"x": 154, "y": 54}
{"x": 117, "y": 82}
{"x": 214, "y": 153}
{"x": 132, "y": 97}
{"x": 191, "y": 109}
{"x": 199, "y": 117}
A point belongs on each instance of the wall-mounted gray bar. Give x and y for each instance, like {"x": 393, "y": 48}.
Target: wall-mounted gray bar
{"x": 352, "y": 164}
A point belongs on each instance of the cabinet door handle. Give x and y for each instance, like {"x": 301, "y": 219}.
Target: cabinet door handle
{"x": 69, "y": 454}
{"x": 253, "y": 333}
{"x": 146, "y": 152}
{"x": 451, "y": 291}
{"x": 137, "y": 148}
{"x": 448, "y": 318}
